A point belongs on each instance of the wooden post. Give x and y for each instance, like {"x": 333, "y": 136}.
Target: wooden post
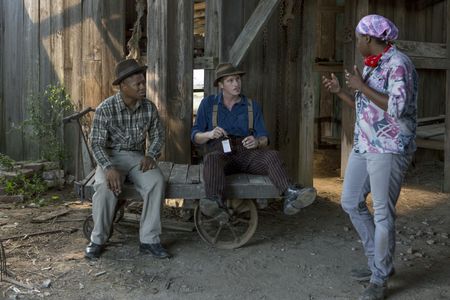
{"x": 446, "y": 186}
{"x": 308, "y": 95}
{"x": 180, "y": 44}
{"x": 212, "y": 40}
{"x": 112, "y": 30}
{"x": 157, "y": 54}
{"x": 172, "y": 93}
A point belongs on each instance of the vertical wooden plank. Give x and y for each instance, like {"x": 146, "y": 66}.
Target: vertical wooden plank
{"x": 57, "y": 40}
{"x": 2, "y": 102}
{"x": 179, "y": 99}
{"x": 45, "y": 33}
{"x": 72, "y": 50}
{"x": 212, "y": 38}
{"x": 13, "y": 77}
{"x": 92, "y": 54}
{"x": 72, "y": 81}
{"x": 446, "y": 187}
{"x": 112, "y": 30}
{"x": 30, "y": 67}
{"x": 400, "y": 17}
{"x": 309, "y": 94}
{"x": 157, "y": 55}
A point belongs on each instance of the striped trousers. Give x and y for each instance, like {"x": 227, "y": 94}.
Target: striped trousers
{"x": 217, "y": 165}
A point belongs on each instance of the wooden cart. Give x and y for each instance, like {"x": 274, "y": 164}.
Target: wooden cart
{"x": 230, "y": 229}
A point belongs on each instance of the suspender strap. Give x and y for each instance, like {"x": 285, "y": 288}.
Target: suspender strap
{"x": 250, "y": 115}
{"x": 214, "y": 116}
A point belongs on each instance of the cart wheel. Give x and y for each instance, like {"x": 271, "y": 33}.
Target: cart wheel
{"x": 228, "y": 230}
{"x": 88, "y": 226}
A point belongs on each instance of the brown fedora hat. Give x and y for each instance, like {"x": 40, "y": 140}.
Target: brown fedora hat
{"x": 226, "y": 69}
{"x": 126, "y": 68}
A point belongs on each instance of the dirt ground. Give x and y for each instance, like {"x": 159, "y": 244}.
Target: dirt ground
{"x": 306, "y": 256}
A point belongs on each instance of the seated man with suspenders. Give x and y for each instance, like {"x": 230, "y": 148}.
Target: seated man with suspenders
{"x": 233, "y": 128}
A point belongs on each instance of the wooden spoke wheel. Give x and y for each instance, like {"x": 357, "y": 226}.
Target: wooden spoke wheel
{"x": 231, "y": 228}
{"x": 88, "y": 224}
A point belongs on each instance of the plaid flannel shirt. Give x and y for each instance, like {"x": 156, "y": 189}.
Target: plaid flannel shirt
{"x": 117, "y": 127}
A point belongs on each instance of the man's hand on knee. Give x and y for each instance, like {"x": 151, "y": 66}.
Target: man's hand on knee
{"x": 114, "y": 180}
{"x": 250, "y": 142}
{"x": 147, "y": 163}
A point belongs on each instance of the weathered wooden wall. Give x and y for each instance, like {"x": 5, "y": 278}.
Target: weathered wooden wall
{"x": 73, "y": 42}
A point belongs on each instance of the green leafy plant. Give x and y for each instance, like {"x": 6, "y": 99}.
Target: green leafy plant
{"x": 44, "y": 123}
{"x": 30, "y": 188}
{"x": 6, "y": 162}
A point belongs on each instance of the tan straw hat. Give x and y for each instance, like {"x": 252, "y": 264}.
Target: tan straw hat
{"x": 226, "y": 69}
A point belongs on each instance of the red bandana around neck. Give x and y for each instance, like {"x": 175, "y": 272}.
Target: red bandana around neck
{"x": 372, "y": 60}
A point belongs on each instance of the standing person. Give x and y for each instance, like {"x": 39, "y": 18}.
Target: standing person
{"x": 122, "y": 125}
{"x": 385, "y": 99}
{"x": 233, "y": 128}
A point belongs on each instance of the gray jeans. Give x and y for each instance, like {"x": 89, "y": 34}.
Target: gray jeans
{"x": 381, "y": 175}
{"x": 149, "y": 184}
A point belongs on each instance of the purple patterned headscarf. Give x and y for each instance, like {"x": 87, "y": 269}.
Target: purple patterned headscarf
{"x": 379, "y": 27}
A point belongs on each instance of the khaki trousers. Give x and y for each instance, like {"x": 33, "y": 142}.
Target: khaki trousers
{"x": 149, "y": 184}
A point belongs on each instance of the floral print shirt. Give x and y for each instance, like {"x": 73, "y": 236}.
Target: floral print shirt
{"x": 394, "y": 130}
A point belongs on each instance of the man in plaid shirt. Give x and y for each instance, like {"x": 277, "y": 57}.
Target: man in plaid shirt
{"x": 123, "y": 124}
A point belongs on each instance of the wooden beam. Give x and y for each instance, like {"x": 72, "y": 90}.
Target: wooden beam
{"x": 257, "y": 20}
{"x": 310, "y": 81}
{"x": 170, "y": 28}
{"x": 446, "y": 186}
{"x": 422, "y": 49}
{"x": 212, "y": 41}
{"x": 431, "y": 63}
{"x": 157, "y": 55}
